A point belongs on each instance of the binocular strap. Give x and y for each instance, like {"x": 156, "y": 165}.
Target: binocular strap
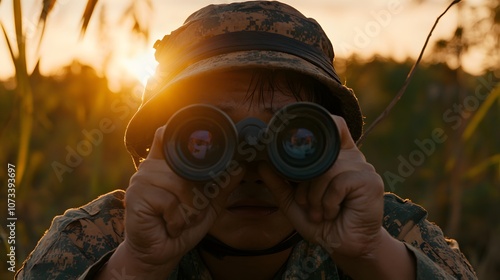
{"x": 219, "y": 249}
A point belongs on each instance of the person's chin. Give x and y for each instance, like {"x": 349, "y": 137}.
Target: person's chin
{"x": 252, "y": 212}
{"x": 252, "y": 229}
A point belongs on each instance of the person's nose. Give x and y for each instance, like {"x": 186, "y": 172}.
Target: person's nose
{"x": 252, "y": 176}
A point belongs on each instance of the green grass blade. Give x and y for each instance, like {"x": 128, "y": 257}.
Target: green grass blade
{"x": 477, "y": 169}
{"x": 23, "y": 91}
{"x": 479, "y": 115}
{"x": 18, "y": 24}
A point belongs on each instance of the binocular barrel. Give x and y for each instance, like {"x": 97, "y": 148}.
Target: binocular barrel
{"x": 201, "y": 141}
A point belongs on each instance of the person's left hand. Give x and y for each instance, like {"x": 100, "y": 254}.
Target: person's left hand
{"x": 341, "y": 210}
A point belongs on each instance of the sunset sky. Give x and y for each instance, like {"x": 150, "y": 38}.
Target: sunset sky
{"x": 396, "y": 28}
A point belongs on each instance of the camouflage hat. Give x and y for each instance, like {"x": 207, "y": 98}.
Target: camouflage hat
{"x": 256, "y": 34}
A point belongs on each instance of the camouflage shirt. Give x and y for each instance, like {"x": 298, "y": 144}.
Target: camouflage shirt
{"x": 79, "y": 242}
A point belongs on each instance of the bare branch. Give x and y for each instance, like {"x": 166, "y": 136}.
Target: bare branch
{"x": 407, "y": 81}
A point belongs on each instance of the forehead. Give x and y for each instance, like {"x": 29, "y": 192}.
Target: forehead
{"x": 237, "y": 88}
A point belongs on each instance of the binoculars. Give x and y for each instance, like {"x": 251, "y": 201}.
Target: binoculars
{"x": 201, "y": 141}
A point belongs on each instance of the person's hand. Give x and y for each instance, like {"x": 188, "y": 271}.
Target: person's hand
{"x": 162, "y": 221}
{"x": 341, "y": 210}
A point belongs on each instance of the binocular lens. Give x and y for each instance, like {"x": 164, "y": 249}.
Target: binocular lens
{"x": 306, "y": 141}
{"x": 302, "y": 141}
{"x": 200, "y": 142}
{"x": 299, "y": 143}
{"x": 201, "y": 146}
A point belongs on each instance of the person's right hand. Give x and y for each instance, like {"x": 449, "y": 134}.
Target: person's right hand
{"x": 162, "y": 222}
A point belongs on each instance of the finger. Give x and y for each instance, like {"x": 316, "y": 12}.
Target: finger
{"x": 159, "y": 211}
{"x": 183, "y": 216}
{"x": 155, "y": 173}
{"x": 349, "y": 160}
{"x": 301, "y": 194}
{"x": 332, "y": 201}
{"x": 354, "y": 192}
{"x": 351, "y": 155}
{"x": 318, "y": 186}
{"x": 156, "y": 150}
{"x": 279, "y": 188}
{"x": 284, "y": 196}
{"x": 315, "y": 192}
{"x": 283, "y": 193}
{"x": 144, "y": 204}
{"x": 346, "y": 141}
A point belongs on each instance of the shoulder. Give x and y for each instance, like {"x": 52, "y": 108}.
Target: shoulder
{"x": 437, "y": 257}
{"x": 399, "y": 213}
{"x": 77, "y": 239}
{"x": 102, "y": 216}
{"x": 104, "y": 203}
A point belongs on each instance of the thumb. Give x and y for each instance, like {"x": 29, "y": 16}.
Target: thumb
{"x": 156, "y": 150}
{"x": 284, "y": 194}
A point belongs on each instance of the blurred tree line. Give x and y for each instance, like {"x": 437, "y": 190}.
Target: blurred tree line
{"x": 415, "y": 148}
{"x": 439, "y": 146}
{"x": 73, "y": 158}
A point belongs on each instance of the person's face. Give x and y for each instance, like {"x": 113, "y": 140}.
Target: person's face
{"x": 250, "y": 219}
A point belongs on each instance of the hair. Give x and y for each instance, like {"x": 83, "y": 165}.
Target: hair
{"x": 297, "y": 85}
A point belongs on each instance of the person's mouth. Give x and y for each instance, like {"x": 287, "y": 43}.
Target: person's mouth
{"x": 251, "y": 208}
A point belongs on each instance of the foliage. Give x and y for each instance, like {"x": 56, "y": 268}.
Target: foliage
{"x": 33, "y": 107}
{"x": 77, "y": 100}
{"x": 68, "y": 115}
{"x": 46, "y": 122}
{"x": 467, "y": 162}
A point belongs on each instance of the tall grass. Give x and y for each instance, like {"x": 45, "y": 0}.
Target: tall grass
{"x": 24, "y": 95}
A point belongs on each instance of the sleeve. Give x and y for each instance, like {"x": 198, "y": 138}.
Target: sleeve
{"x": 77, "y": 240}
{"x": 92, "y": 271}
{"x": 436, "y": 257}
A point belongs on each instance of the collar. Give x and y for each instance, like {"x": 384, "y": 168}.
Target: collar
{"x": 219, "y": 249}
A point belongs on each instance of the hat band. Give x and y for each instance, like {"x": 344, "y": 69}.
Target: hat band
{"x": 176, "y": 61}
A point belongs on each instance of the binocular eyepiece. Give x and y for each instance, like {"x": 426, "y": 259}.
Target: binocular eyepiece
{"x": 201, "y": 141}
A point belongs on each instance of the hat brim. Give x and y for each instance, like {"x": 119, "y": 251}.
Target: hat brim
{"x": 157, "y": 110}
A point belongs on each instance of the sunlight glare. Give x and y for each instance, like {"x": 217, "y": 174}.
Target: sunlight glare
{"x": 140, "y": 66}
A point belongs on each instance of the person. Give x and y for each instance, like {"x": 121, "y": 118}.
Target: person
{"x": 248, "y": 59}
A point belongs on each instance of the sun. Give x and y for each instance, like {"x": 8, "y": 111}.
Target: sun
{"x": 141, "y": 66}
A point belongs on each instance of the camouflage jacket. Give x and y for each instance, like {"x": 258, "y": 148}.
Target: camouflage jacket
{"x": 79, "y": 242}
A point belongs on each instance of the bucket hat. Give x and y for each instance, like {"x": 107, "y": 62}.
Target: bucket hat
{"x": 243, "y": 35}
